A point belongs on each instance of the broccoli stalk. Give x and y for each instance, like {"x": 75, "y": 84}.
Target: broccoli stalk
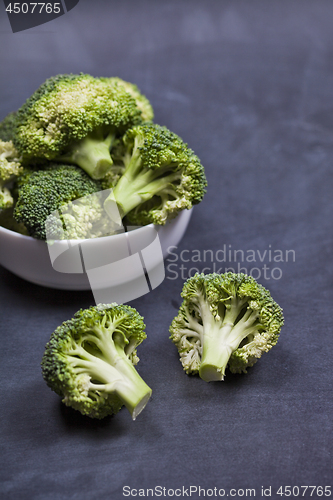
{"x": 90, "y": 360}
{"x": 222, "y": 336}
{"x": 92, "y": 153}
{"x": 136, "y": 185}
{"x": 161, "y": 176}
{"x": 225, "y": 321}
{"x": 6, "y": 199}
{"x": 111, "y": 373}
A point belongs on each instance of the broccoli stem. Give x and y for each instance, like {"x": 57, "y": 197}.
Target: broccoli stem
{"x": 6, "y": 199}
{"x": 123, "y": 380}
{"x": 222, "y": 336}
{"x": 92, "y": 154}
{"x": 215, "y": 352}
{"x": 134, "y": 188}
{"x": 133, "y": 390}
{"x": 110, "y": 370}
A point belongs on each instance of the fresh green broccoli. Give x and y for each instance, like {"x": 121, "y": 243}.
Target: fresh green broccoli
{"x": 225, "y": 320}
{"x": 147, "y": 113}
{"x": 10, "y": 169}
{"x": 159, "y": 176}
{"x": 89, "y": 361}
{"x": 81, "y": 219}
{"x": 7, "y": 127}
{"x": 75, "y": 119}
{"x": 44, "y": 191}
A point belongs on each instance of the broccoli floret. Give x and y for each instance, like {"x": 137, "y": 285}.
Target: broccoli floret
{"x": 160, "y": 176}
{"x": 10, "y": 169}
{"x": 89, "y": 361}
{"x": 44, "y": 191}
{"x": 7, "y": 127}
{"x": 147, "y": 112}
{"x": 83, "y": 218}
{"x": 75, "y": 119}
{"x": 225, "y": 320}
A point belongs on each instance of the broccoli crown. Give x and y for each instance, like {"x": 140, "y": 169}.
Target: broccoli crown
{"x": 64, "y": 111}
{"x": 89, "y": 361}
{"x": 41, "y": 192}
{"x": 7, "y": 127}
{"x": 225, "y": 320}
{"x": 147, "y": 112}
{"x": 81, "y": 219}
{"x": 160, "y": 175}
{"x": 10, "y": 168}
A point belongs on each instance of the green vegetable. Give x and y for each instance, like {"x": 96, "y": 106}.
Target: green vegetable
{"x": 10, "y": 169}
{"x": 156, "y": 175}
{"x": 75, "y": 119}
{"x": 147, "y": 113}
{"x": 89, "y": 361}
{"x": 7, "y": 127}
{"x": 41, "y": 192}
{"x": 225, "y": 320}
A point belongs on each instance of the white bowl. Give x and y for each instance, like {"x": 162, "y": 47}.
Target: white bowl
{"x": 30, "y": 258}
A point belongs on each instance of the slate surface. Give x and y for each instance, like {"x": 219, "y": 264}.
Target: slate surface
{"x": 249, "y": 85}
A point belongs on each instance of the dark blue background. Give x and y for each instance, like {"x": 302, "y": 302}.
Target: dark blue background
{"x": 249, "y": 85}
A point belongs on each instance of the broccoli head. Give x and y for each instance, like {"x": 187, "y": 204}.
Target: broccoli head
{"x": 147, "y": 113}
{"x": 225, "y": 320}
{"x": 159, "y": 176}
{"x": 75, "y": 119}
{"x": 89, "y": 361}
{"x": 7, "y": 127}
{"x": 41, "y": 192}
{"x": 80, "y": 219}
{"x": 10, "y": 169}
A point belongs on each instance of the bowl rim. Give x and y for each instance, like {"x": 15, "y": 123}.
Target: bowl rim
{"x": 31, "y": 238}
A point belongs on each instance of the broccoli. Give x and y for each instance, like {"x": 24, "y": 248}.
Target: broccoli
{"x": 89, "y": 361}
{"x": 10, "y": 168}
{"x": 7, "y": 127}
{"x": 224, "y": 320}
{"x": 41, "y": 192}
{"x": 75, "y": 119}
{"x": 81, "y": 219}
{"x": 147, "y": 113}
{"x": 159, "y": 176}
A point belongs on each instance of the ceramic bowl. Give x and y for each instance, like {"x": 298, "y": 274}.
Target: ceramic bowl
{"x": 106, "y": 262}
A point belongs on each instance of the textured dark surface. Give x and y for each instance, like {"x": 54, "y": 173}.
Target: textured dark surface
{"x": 249, "y": 85}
